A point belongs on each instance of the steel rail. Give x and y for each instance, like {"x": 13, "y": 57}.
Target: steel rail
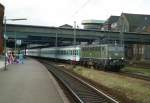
{"x": 135, "y": 75}
{"x": 82, "y": 91}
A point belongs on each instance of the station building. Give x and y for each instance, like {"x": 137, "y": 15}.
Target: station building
{"x": 92, "y": 24}
{"x": 1, "y": 27}
{"x": 138, "y": 23}
{"x": 135, "y": 23}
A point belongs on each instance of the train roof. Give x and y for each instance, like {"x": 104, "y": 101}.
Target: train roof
{"x": 77, "y": 46}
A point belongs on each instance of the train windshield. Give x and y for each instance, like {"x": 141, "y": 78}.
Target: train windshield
{"x": 116, "y": 52}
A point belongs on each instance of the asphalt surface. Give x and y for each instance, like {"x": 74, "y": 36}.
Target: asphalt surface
{"x": 29, "y": 83}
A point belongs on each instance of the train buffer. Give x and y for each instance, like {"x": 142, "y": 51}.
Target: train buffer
{"x": 29, "y": 83}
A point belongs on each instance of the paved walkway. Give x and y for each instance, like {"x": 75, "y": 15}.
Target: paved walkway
{"x": 29, "y": 83}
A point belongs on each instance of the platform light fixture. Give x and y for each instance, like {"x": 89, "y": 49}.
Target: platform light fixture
{"x": 74, "y": 42}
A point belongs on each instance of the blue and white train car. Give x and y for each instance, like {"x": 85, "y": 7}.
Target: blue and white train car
{"x": 68, "y": 53}
{"x": 107, "y": 56}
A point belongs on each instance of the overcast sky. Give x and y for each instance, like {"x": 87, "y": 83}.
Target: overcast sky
{"x": 59, "y": 12}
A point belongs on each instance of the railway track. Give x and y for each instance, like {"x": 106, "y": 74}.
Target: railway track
{"x": 82, "y": 91}
{"x": 135, "y": 75}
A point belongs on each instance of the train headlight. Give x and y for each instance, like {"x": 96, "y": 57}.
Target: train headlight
{"x": 122, "y": 58}
{"x": 110, "y": 58}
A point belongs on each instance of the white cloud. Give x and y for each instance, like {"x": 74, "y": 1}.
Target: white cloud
{"x": 59, "y": 12}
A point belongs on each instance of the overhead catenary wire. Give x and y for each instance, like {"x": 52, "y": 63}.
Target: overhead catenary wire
{"x": 82, "y": 6}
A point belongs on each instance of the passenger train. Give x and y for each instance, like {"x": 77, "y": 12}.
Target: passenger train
{"x": 107, "y": 56}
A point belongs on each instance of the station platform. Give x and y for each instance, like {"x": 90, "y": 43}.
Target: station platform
{"x": 29, "y": 83}
{"x": 2, "y": 62}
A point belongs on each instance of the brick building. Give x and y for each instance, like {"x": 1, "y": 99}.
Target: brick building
{"x": 1, "y": 27}
{"x": 139, "y": 23}
{"x": 110, "y": 24}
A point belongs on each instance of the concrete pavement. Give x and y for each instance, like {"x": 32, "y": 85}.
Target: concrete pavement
{"x": 29, "y": 83}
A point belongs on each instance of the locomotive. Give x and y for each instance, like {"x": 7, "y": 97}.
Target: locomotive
{"x": 106, "y": 56}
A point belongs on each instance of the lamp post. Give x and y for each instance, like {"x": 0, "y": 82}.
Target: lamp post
{"x": 74, "y": 34}
{"x": 56, "y": 36}
{"x": 74, "y": 42}
{"x": 5, "y": 36}
{"x": 56, "y": 40}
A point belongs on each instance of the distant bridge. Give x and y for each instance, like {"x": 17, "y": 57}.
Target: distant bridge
{"x": 42, "y": 34}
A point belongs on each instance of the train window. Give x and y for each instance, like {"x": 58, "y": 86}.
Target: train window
{"x": 65, "y": 52}
{"x": 77, "y": 52}
{"x": 82, "y": 49}
{"x": 71, "y": 52}
{"x": 68, "y": 52}
{"x": 89, "y": 48}
{"x": 93, "y": 48}
{"x": 86, "y": 49}
{"x": 97, "y": 48}
{"x": 102, "y": 48}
